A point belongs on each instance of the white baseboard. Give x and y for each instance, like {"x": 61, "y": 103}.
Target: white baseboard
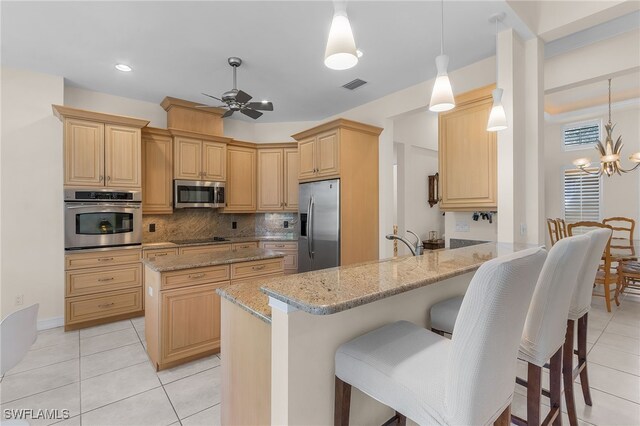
{"x": 48, "y": 323}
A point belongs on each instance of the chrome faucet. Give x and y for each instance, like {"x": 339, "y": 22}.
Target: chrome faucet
{"x": 416, "y": 250}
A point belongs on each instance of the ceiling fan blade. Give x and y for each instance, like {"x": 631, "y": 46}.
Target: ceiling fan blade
{"x": 218, "y": 99}
{"x": 251, "y": 113}
{"x": 261, "y": 106}
{"x": 210, "y": 106}
{"x": 242, "y": 97}
{"x": 227, "y": 114}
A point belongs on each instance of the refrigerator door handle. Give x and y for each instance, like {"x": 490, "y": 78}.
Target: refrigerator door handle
{"x": 310, "y": 224}
{"x": 309, "y": 228}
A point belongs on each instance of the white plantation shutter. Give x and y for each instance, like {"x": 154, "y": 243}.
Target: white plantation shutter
{"x": 581, "y": 196}
{"x": 578, "y": 135}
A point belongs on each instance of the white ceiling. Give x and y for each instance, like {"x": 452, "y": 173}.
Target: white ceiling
{"x": 180, "y": 48}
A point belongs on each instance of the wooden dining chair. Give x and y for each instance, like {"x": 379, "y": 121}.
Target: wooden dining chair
{"x": 554, "y": 233}
{"x": 623, "y": 231}
{"x": 629, "y": 272}
{"x": 562, "y": 228}
{"x": 606, "y": 276}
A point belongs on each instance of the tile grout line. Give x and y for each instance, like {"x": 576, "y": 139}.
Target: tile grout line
{"x": 187, "y": 376}
{"x": 198, "y": 412}
{"x": 41, "y": 366}
{"x": 121, "y": 399}
{"x": 170, "y": 402}
{"x": 107, "y": 332}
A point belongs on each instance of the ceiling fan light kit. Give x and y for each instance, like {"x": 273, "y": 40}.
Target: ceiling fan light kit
{"x": 497, "y": 116}
{"x": 442, "y": 95}
{"x": 610, "y": 153}
{"x": 341, "y": 52}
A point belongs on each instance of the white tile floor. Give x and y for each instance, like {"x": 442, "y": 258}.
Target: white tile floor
{"x": 103, "y": 377}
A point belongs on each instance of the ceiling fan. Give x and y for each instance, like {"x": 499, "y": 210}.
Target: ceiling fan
{"x": 237, "y": 100}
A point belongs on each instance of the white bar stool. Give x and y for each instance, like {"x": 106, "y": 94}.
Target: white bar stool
{"x": 434, "y": 380}
{"x": 579, "y": 311}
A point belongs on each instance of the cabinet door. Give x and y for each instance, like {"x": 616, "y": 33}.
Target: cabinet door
{"x": 190, "y": 321}
{"x": 241, "y": 179}
{"x": 214, "y": 161}
{"x": 157, "y": 175}
{"x": 307, "y": 153}
{"x": 270, "y": 170}
{"x": 468, "y": 158}
{"x": 290, "y": 187}
{"x": 123, "y": 157}
{"x": 187, "y": 160}
{"x": 328, "y": 153}
{"x": 83, "y": 153}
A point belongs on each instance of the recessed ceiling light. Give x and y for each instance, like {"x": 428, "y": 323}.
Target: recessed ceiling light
{"x": 265, "y": 101}
{"x": 123, "y": 67}
{"x": 359, "y": 53}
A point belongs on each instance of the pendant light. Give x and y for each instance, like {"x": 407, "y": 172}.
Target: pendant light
{"x": 497, "y": 116}
{"x": 442, "y": 95}
{"x": 340, "y": 53}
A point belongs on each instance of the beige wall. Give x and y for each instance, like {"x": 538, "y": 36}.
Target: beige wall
{"x": 620, "y": 194}
{"x": 31, "y": 220}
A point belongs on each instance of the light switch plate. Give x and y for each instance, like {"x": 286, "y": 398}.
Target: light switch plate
{"x": 150, "y": 291}
{"x": 462, "y": 227}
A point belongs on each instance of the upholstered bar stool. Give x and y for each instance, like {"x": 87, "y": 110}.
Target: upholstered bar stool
{"x": 433, "y": 380}
{"x": 544, "y": 331}
{"x": 579, "y": 312}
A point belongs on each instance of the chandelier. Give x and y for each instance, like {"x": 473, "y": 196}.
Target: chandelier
{"x": 609, "y": 153}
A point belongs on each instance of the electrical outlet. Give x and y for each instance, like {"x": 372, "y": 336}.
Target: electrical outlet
{"x": 234, "y": 225}
{"x": 19, "y": 299}
{"x": 286, "y": 224}
{"x": 523, "y": 229}
{"x": 462, "y": 227}
{"x": 152, "y": 227}
{"x": 150, "y": 291}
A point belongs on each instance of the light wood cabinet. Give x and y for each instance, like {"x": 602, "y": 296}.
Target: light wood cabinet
{"x": 241, "y": 188}
{"x": 157, "y": 171}
{"x": 101, "y": 149}
{"x": 102, "y": 286}
{"x": 240, "y": 246}
{"x": 153, "y": 254}
{"x": 197, "y": 159}
{"x": 211, "y": 248}
{"x": 347, "y": 150}
{"x": 277, "y": 179}
{"x": 468, "y": 154}
{"x": 290, "y": 250}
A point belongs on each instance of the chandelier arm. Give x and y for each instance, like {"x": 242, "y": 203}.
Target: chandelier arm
{"x": 598, "y": 173}
{"x": 631, "y": 169}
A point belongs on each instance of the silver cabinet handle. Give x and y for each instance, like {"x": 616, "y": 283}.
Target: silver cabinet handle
{"x": 279, "y": 245}
{"x": 105, "y": 259}
{"x": 106, "y": 305}
{"x": 101, "y": 280}
{"x": 161, "y": 254}
{"x": 257, "y": 268}
{"x": 194, "y": 276}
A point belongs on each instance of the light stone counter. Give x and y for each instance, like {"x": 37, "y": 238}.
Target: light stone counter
{"x": 230, "y": 240}
{"x": 190, "y": 261}
{"x": 334, "y": 290}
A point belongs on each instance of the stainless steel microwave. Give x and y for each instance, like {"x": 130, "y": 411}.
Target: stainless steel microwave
{"x": 197, "y": 193}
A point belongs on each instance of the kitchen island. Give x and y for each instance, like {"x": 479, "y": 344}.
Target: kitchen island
{"x": 313, "y": 313}
{"x": 182, "y": 309}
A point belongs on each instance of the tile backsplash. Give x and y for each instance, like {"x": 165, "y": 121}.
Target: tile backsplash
{"x": 187, "y": 224}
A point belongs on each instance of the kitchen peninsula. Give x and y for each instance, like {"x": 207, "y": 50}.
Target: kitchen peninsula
{"x": 182, "y": 309}
{"x": 290, "y": 328}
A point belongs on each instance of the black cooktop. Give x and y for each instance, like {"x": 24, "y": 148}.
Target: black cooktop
{"x": 201, "y": 240}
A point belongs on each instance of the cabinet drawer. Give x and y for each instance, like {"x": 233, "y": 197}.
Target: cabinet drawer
{"x": 191, "y": 277}
{"x": 205, "y": 249}
{"x": 101, "y": 258}
{"x": 157, "y": 253}
{"x": 86, "y": 308}
{"x": 240, "y": 246}
{"x": 100, "y": 280}
{"x": 255, "y": 268}
{"x": 280, "y": 246}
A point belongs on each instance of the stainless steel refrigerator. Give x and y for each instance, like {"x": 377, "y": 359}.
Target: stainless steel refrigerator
{"x": 319, "y": 214}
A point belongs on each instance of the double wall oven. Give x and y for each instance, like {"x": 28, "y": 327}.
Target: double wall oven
{"x": 95, "y": 218}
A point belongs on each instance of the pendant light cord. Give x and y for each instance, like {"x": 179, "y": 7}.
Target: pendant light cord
{"x": 442, "y": 27}
{"x": 609, "y": 101}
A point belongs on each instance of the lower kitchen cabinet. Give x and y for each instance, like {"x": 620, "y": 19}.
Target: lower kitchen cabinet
{"x": 290, "y": 250}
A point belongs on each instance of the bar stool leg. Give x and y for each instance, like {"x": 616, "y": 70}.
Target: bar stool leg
{"x": 342, "y": 403}
{"x": 567, "y": 374}
{"x": 555, "y": 378}
{"x": 534, "y": 391}
{"x": 505, "y": 418}
{"x": 582, "y": 358}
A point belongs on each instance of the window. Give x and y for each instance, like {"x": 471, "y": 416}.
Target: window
{"x": 581, "y": 135}
{"x": 582, "y": 196}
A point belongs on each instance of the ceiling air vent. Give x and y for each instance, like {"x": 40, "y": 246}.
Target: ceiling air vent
{"x": 354, "y": 84}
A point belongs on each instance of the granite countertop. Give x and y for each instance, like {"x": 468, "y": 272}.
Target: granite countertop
{"x": 334, "y": 290}
{"x": 189, "y": 261}
{"x": 249, "y": 297}
{"x": 206, "y": 242}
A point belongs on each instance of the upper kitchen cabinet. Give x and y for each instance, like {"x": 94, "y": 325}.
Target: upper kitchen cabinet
{"x": 277, "y": 177}
{"x": 241, "y": 188}
{"x": 157, "y": 171}
{"x": 200, "y": 157}
{"x": 347, "y": 150}
{"x": 468, "y": 154}
{"x": 100, "y": 149}
{"x": 183, "y": 115}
